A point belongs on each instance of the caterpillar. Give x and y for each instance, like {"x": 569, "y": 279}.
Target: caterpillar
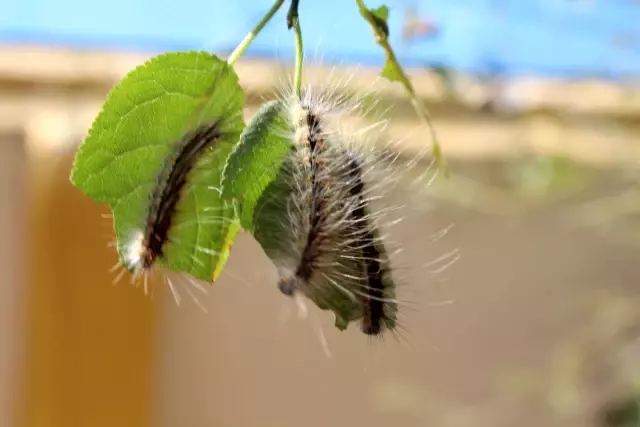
{"x": 322, "y": 215}
{"x": 154, "y": 154}
{"x": 314, "y": 207}
{"x": 148, "y": 245}
{"x": 342, "y": 190}
{"x": 374, "y": 305}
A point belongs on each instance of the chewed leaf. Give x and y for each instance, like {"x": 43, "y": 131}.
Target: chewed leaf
{"x": 256, "y": 160}
{"x": 143, "y": 124}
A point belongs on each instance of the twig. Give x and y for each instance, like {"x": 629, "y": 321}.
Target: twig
{"x": 381, "y": 33}
{"x": 293, "y": 21}
{"x": 244, "y": 44}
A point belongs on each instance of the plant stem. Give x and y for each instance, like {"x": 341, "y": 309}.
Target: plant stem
{"x": 293, "y": 21}
{"x": 244, "y": 44}
{"x": 380, "y": 31}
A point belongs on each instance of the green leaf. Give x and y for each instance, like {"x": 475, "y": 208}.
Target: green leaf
{"x": 379, "y": 16}
{"x": 391, "y": 71}
{"x": 140, "y": 127}
{"x": 381, "y": 12}
{"x": 624, "y": 412}
{"x": 256, "y": 160}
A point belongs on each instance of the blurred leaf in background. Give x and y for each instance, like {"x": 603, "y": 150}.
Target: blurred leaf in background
{"x": 624, "y": 412}
{"x": 538, "y": 177}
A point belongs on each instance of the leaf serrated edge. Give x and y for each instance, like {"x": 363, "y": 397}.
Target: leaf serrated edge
{"x": 109, "y": 98}
{"x": 220, "y": 260}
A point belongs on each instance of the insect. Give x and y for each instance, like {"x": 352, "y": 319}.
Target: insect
{"x": 325, "y": 216}
{"x": 377, "y": 311}
{"x": 147, "y": 246}
{"x": 313, "y": 207}
{"x": 174, "y": 220}
{"x": 319, "y": 250}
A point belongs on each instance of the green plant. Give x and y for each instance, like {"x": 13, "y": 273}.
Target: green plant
{"x": 170, "y": 146}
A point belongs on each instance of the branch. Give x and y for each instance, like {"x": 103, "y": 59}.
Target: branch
{"x": 244, "y": 44}
{"x": 293, "y": 21}
{"x": 393, "y": 71}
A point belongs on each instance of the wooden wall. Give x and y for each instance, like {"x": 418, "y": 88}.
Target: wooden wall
{"x": 89, "y": 345}
{"x": 13, "y": 225}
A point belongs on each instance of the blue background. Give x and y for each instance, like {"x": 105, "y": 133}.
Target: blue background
{"x": 512, "y": 37}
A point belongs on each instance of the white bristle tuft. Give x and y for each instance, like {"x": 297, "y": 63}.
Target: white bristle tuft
{"x": 133, "y": 251}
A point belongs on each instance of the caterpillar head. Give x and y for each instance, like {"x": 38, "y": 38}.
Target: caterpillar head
{"x": 288, "y": 285}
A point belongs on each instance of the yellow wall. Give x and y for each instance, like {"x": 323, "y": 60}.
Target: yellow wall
{"x": 89, "y": 344}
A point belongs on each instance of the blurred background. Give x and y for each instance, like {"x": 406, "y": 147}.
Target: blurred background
{"x": 537, "y": 106}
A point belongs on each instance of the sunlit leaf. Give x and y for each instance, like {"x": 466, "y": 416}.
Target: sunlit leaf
{"x": 144, "y": 120}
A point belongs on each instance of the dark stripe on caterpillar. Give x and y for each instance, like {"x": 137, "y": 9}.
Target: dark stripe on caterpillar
{"x": 167, "y": 193}
{"x": 373, "y": 300}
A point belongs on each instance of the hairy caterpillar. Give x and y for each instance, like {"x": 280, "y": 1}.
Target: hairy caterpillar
{"x": 376, "y": 311}
{"x": 314, "y": 208}
{"x": 335, "y": 188}
{"x": 334, "y": 223}
{"x": 174, "y": 219}
{"x": 148, "y": 245}
{"x": 318, "y": 194}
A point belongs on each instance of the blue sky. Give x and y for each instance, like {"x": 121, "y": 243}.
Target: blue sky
{"x": 532, "y": 37}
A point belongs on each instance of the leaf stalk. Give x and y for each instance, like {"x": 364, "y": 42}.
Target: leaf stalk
{"x": 248, "y": 39}
{"x": 293, "y": 21}
{"x": 381, "y": 33}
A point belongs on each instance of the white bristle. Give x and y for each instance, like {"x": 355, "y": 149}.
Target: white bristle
{"x": 133, "y": 250}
